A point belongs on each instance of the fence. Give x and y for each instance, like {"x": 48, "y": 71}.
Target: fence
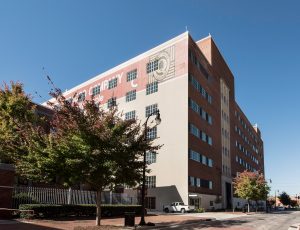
{"x": 31, "y": 195}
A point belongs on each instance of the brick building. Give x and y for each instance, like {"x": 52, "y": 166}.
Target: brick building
{"x": 207, "y": 138}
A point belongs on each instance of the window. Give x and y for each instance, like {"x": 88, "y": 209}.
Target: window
{"x": 209, "y": 141}
{"x": 150, "y": 202}
{"x": 152, "y": 66}
{"x": 191, "y": 181}
{"x": 130, "y": 115}
{"x": 204, "y": 160}
{"x": 152, "y": 133}
{"x": 150, "y": 109}
{"x": 194, "y": 130}
{"x": 131, "y": 95}
{"x": 151, "y": 181}
{"x": 96, "y": 90}
{"x": 81, "y": 97}
{"x": 210, "y": 162}
{"x": 131, "y": 75}
{"x": 111, "y": 102}
{"x": 209, "y": 119}
{"x": 112, "y": 83}
{"x": 150, "y": 157}
{"x": 210, "y": 185}
{"x": 198, "y": 182}
{"x": 199, "y": 88}
{"x": 211, "y": 203}
{"x": 152, "y": 88}
{"x": 203, "y": 136}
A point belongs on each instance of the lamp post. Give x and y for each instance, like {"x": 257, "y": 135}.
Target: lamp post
{"x": 276, "y": 197}
{"x": 270, "y": 180}
{"x": 157, "y": 120}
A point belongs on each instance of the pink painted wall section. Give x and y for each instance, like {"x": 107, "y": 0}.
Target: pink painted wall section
{"x": 179, "y": 62}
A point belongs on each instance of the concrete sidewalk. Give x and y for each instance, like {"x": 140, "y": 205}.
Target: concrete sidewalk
{"x": 160, "y": 220}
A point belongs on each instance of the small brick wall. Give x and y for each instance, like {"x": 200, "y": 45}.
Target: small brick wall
{"x": 7, "y": 173}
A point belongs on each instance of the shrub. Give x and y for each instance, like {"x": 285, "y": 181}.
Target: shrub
{"x": 199, "y": 210}
{"x": 51, "y": 210}
{"x": 23, "y": 198}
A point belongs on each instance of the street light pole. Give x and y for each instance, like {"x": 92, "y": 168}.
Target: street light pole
{"x": 158, "y": 120}
{"x": 276, "y": 197}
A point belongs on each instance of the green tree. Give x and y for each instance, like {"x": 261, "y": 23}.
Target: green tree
{"x": 17, "y": 114}
{"x": 251, "y": 186}
{"x": 284, "y": 198}
{"x": 86, "y": 145}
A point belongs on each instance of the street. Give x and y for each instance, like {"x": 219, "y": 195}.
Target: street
{"x": 276, "y": 220}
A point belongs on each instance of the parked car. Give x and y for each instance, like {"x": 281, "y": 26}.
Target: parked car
{"x": 280, "y": 208}
{"x": 178, "y": 207}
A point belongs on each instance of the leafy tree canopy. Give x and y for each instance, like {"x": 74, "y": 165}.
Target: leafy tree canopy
{"x": 284, "y": 198}
{"x": 17, "y": 113}
{"x": 251, "y": 186}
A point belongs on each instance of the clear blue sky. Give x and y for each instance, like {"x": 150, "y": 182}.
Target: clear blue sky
{"x": 76, "y": 40}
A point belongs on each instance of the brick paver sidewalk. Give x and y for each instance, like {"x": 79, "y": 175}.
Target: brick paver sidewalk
{"x": 159, "y": 220}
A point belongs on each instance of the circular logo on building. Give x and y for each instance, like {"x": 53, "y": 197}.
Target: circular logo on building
{"x": 163, "y": 66}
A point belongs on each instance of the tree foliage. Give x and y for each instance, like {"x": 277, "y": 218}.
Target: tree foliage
{"x": 85, "y": 144}
{"x": 251, "y": 186}
{"x": 16, "y": 118}
{"x": 284, "y": 198}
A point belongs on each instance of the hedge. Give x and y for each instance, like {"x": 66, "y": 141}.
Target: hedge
{"x": 51, "y": 210}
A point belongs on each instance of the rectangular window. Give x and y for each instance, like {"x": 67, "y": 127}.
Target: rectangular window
{"x": 204, "y": 160}
{"x": 81, "y": 97}
{"x": 150, "y": 181}
{"x": 150, "y": 109}
{"x": 191, "y": 181}
{"x": 131, "y": 75}
{"x": 131, "y": 95}
{"x": 210, "y": 162}
{"x": 209, "y": 119}
{"x": 210, "y": 185}
{"x": 203, "y": 136}
{"x": 152, "y": 88}
{"x": 152, "y": 66}
{"x": 150, "y": 157}
{"x": 96, "y": 90}
{"x": 198, "y": 181}
{"x": 112, "y": 83}
{"x": 152, "y": 133}
{"x": 194, "y": 130}
{"x": 130, "y": 115}
{"x": 111, "y": 102}
{"x": 209, "y": 141}
{"x": 150, "y": 202}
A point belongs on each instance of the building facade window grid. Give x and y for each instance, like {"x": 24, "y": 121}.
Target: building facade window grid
{"x": 150, "y": 181}
{"x": 96, "y": 90}
{"x": 200, "y": 89}
{"x": 112, "y": 83}
{"x": 152, "y": 66}
{"x": 111, "y": 102}
{"x": 151, "y": 133}
{"x": 130, "y": 115}
{"x": 150, "y": 109}
{"x": 198, "y": 182}
{"x": 131, "y": 95}
{"x": 132, "y": 75}
{"x": 193, "y": 155}
{"x": 151, "y": 88}
{"x": 81, "y": 97}
{"x": 150, "y": 157}
{"x": 198, "y": 109}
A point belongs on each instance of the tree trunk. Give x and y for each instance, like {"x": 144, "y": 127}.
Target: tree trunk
{"x": 248, "y": 206}
{"x": 98, "y": 206}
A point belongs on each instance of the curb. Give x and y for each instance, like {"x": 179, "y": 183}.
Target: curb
{"x": 158, "y": 226}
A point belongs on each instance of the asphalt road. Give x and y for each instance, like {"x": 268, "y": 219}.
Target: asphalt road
{"x": 275, "y": 221}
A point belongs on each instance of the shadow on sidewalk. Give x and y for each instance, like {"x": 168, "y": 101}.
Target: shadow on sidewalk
{"x": 17, "y": 225}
